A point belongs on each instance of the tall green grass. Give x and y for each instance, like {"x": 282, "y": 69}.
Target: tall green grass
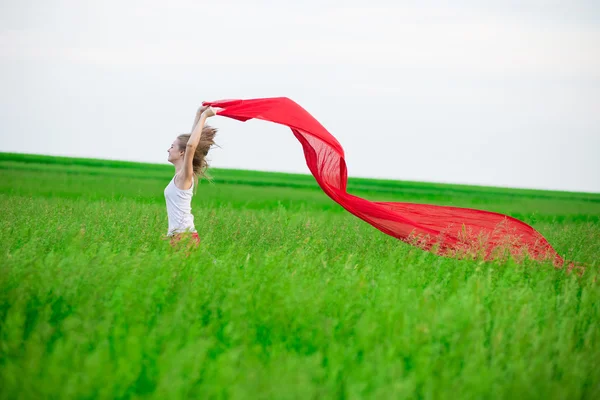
{"x": 288, "y": 295}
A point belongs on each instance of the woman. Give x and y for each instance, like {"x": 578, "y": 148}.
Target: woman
{"x": 188, "y": 155}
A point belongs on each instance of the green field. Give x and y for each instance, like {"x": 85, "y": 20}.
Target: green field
{"x": 288, "y": 295}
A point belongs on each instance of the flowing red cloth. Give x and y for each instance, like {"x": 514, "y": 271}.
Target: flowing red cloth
{"x": 447, "y": 231}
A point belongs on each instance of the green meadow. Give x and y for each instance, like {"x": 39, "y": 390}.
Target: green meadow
{"x": 287, "y": 297}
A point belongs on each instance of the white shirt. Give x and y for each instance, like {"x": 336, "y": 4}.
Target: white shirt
{"x": 179, "y": 208}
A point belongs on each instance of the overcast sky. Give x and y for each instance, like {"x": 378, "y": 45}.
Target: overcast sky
{"x": 438, "y": 91}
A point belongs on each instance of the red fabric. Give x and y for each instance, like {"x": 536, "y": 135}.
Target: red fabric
{"x": 447, "y": 231}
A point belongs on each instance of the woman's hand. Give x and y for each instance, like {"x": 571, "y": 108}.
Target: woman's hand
{"x": 201, "y": 109}
{"x": 209, "y": 112}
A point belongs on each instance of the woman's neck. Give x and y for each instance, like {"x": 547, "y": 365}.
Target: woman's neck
{"x": 178, "y": 167}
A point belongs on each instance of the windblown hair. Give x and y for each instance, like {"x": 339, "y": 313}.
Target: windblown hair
{"x": 200, "y": 164}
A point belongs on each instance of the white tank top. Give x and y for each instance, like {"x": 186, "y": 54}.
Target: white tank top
{"x": 179, "y": 208}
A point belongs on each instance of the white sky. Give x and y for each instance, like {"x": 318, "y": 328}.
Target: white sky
{"x": 461, "y": 92}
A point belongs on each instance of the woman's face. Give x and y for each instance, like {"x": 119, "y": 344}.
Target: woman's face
{"x": 174, "y": 152}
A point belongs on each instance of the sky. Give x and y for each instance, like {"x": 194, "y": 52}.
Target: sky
{"x": 469, "y": 92}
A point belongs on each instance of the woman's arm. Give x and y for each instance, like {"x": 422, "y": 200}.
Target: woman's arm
{"x": 188, "y": 169}
{"x": 198, "y": 115}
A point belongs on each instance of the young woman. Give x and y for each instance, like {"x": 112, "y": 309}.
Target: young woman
{"x": 188, "y": 154}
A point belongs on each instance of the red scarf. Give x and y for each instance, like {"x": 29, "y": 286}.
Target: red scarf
{"x": 447, "y": 231}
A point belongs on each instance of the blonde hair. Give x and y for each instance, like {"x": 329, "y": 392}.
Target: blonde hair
{"x": 199, "y": 163}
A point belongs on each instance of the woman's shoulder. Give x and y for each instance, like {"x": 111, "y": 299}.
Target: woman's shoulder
{"x": 181, "y": 182}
